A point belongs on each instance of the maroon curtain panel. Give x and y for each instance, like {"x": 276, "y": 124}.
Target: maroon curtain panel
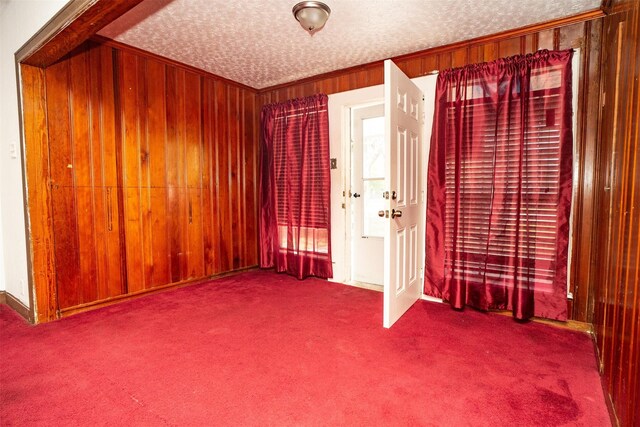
{"x": 499, "y": 186}
{"x": 295, "y": 232}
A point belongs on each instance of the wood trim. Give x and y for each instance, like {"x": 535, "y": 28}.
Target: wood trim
{"x": 611, "y": 7}
{"x": 516, "y": 32}
{"x": 144, "y": 53}
{"x": 73, "y": 25}
{"x": 613, "y": 416}
{"x": 572, "y": 325}
{"x": 35, "y": 158}
{"x": 134, "y": 295}
{"x": 25, "y": 208}
{"x": 16, "y": 305}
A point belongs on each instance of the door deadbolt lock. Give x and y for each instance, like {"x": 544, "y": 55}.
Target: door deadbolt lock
{"x": 395, "y": 213}
{"x": 386, "y": 195}
{"x": 394, "y": 195}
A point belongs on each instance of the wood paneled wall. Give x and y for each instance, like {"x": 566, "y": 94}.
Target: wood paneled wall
{"x": 617, "y": 213}
{"x": 141, "y": 174}
{"x": 584, "y": 35}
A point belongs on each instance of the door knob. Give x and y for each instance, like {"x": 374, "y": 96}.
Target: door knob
{"x": 395, "y": 213}
{"x": 356, "y": 195}
{"x": 381, "y": 214}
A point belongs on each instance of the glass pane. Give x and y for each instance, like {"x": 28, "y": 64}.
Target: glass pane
{"x": 373, "y": 147}
{"x": 372, "y": 224}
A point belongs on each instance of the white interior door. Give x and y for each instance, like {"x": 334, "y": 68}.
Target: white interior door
{"x": 403, "y": 145}
{"x": 367, "y": 186}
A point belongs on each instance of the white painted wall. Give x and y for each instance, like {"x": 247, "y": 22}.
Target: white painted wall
{"x": 19, "y": 20}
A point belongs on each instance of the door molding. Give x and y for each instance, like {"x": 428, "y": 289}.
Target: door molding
{"x": 339, "y": 138}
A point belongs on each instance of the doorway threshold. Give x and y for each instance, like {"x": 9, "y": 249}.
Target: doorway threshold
{"x": 364, "y": 285}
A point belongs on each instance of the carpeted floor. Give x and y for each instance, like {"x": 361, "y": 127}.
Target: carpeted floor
{"x": 265, "y": 349}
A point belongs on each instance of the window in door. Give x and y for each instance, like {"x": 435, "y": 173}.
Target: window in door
{"x": 372, "y": 176}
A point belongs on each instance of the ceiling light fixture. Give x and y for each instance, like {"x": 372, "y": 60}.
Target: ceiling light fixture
{"x": 312, "y": 15}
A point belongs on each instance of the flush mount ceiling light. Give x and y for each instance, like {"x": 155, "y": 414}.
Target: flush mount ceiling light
{"x": 312, "y": 15}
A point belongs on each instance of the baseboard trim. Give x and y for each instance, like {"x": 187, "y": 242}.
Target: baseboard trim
{"x": 16, "y": 305}
{"x": 120, "y": 298}
{"x": 611, "y": 407}
{"x": 573, "y": 325}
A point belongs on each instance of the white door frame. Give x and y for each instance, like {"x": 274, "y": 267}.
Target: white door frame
{"x": 362, "y": 248}
{"x": 340, "y": 105}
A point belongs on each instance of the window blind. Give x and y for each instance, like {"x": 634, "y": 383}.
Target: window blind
{"x": 499, "y": 246}
{"x": 305, "y": 160}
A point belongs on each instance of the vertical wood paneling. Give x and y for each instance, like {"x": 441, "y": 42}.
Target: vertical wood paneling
{"x": 617, "y": 296}
{"x": 62, "y": 184}
{"x": 225, "y": 227}
{"x": 158, "y": 272}
{"x": 209, "y": 180}
{"x": 235, "y": 165}
{"x": 81, "y": 168}
{"x": 587, "y": 132}
{"x": 250, "y": 172}
{"x": 81, "y": 129}
{"x": 130, "y": 97}
{"x": 509, "y": 47}
{"x": 193, "y": 178}
{"x": 153, "y": 176}
{"x": 104, "y": 174}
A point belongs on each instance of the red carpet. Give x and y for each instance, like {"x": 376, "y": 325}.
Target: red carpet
{"x": 266, "y": 349}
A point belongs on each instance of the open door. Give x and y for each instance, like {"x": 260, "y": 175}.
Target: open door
{"x": 403, "y": 148}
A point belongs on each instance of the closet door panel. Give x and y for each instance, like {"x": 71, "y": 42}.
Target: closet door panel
{"x": 66, "y": 252}
{"x": 61, "y": 182}
{"x": 61, "y": 154}
{"x": 195, "y": 254}
{"x": 87, "y": 245}
{"x": 81, "y": 121}
{"x": 160, "y": 271}
{"x": 109, "y": 250}
{"x": 103, "y": 168}
{"x": 133, "y": 240}
{"x": 175, "y": 175}
{"x": 103, "y": 128}
{"x": 135, "y": 169}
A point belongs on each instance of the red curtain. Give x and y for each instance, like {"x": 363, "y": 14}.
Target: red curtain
{"x": 295, "y": 183}
{"x": 499, "y": 186}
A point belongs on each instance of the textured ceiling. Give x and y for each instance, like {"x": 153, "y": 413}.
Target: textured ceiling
{"x": 259, "y": 42}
